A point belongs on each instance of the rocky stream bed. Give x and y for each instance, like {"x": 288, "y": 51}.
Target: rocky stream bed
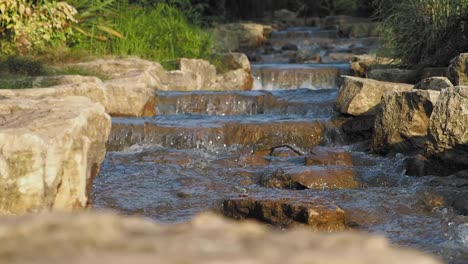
{"x": 278, "y": 154}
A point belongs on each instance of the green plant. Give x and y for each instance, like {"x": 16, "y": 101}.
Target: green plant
{"x": 425, "y": 32}
{"x": 95, "y": 18}
{"x": 26, "y": 28}
{"x": 161, "y": 33}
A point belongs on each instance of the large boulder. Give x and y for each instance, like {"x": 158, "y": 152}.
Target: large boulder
{"x": 118, "y": 68}
{"x": 96, "y": 238}
{"x": 458, "y": 70}
{"x": 90, "y": 87}
{"x": 122, "y": 96}
{"x": 448, "y": 128}
{"x": 402, "y": 123}
{"x": 50, "y": 151}
{"x": 362, "y": 97}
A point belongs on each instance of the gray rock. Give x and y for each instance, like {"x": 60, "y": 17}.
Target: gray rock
{"x": 434, "y": 83}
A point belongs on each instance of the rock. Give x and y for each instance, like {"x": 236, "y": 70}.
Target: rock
{"x": 141, "y": 77}
{"x": 361, "y": 97}
{"x": 55, "y": 80}
{"x": 327, "y": 156}
{"x": 361, "y": 64}
{"x": 50, "y": 151}
{"x": 203, "y": 70}
{"x": 316, "y": 177}
{"x": 458, "y": 70}
{"x": 126, "y": 97}
{"x": 434, "y": 83}
{"x": 358, "y": 128}
{"x": 119, "y": 68}
{"x": 240, "y": 36}
{"x": 403, "y": 120}
{"x": 319, "y": 214}
{"x": 446, "y": 197}
{"x": 393, "y": 75}
{"x": 290, "y": 46}
{"x": 94, "y": 89}
{"x": 235, "y": 61}
{"x": 448, "y": 136}
{"x": 235, "y": 80}
{"x": 96, "y": 237}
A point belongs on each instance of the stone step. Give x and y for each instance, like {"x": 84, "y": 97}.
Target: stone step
{"x": 290, "y": 102}
{"x": 188, "y": 131}
{"x": 294, "y": 76}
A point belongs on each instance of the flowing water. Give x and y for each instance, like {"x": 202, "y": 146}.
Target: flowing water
{"x": 204, "y": 148}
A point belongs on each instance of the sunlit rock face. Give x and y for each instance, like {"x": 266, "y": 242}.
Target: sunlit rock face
{"x": 362, "y": 97}
{"x": 448, "y": 129}
{"x": 50, "y": 151}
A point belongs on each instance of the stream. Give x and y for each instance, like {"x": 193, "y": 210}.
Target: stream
{"x": 206, "y": 148}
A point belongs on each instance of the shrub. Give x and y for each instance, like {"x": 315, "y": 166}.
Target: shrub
{"x": 161, "y": 33}
{"x": 426, "y": 32}
{"x": 26, "y": 28}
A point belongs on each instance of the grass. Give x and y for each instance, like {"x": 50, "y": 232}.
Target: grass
{"x": 161, "y": 33}
{"x": 424, "y": 32}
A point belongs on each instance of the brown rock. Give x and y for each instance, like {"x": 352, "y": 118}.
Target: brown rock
{"x": 448, "y": 136}
{"x": 96, "y": 238}
{"x": 402, "y": 123}
{"x": 50, "y": 152}
{"x": 328, "y": 156}
{"x": 358, "y": 96}
{"x": 316, "y": 177}
{"x": 319, "y": 214}
{"x": 458, "y": 70}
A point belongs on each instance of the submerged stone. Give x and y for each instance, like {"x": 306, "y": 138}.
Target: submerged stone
{"x": 318, "y": 214}
{"x": 311, "y": 177}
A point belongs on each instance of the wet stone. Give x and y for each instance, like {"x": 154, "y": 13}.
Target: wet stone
{"x": 311, "y": 177}
{"x": 328, "y": 156}
{"x": 317, "y": 213}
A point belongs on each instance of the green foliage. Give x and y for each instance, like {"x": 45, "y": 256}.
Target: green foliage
{"x": 94, "y": 18}
{"x": 161, "y": 33}
{"x": 426, "y": 32}
{"x": 26, "y": 28}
